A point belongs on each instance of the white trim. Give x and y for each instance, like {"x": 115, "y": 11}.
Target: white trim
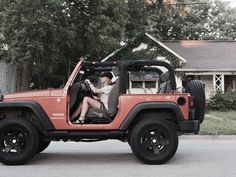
{"x": 209, "y": 73}
{"x": 219, "y": 78}
{"x": 214, "y": 82}
{"x": 206, "y": 70}
{"x": 153, "y": 39}
{"x": 165, "y": 47}
{"x": 113, "y": 53}
{"x": 223, "y": 83}
{"x": 234, "y": 84}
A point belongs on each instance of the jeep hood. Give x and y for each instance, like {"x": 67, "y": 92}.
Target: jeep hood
{"x": 32, "y": 94}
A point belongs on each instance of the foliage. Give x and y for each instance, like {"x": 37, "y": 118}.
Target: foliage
{"x": 222, "y": 101}
{"x": 201, "y": 20}
{"x": 35, "y": 35}
{"x": 219, "y": 123}
{"x": 48, "y": 36}
{"x": 101, "y": 25}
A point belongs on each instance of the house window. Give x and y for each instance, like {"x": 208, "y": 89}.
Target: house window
{"x": 137, "y": 84}
{"x": 150, "y": 84}
{"x": 143, "y": 83}
{"x": 230, "y": 82}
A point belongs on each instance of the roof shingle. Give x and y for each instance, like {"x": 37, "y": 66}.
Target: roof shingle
{"x": 206, "y": 54}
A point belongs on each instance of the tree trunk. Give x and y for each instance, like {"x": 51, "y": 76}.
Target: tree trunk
{"x": 22, "y": 77}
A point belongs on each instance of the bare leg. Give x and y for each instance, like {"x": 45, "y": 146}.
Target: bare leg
{"x": 76, "y": 113}
{"x": 88, "y": 102}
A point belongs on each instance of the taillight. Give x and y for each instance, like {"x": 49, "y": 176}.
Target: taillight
{"x": 191, "y": 101}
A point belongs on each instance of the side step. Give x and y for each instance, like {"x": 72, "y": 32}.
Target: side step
{"x": 85, "y": 135}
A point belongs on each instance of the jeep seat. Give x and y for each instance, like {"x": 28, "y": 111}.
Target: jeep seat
{"x": 165, "y": 86}
{"x": 95, "y": 115}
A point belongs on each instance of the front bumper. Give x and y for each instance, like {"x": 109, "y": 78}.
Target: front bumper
{"x": 190, "y": 126}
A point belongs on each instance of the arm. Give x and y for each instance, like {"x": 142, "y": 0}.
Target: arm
{"x": 94, "y": 89}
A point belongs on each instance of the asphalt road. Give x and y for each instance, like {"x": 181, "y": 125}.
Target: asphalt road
{"x": 194, "y": 158}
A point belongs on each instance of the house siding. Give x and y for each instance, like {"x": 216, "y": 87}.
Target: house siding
{"x": 7, "y": 77}
{"x": 3, "y": 73}
{"x": 208, "y": 83}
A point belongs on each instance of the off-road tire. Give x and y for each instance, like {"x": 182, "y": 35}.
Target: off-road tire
{"x": 166, "y": 134}
{"x": 43, "y": 145}
{"x": 196, "y": 89}
{"x": 19, "y": 141}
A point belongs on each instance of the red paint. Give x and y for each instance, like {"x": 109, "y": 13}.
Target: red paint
{"x": 55, "y": 102}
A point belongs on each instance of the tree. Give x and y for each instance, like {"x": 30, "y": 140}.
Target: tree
{"x": 46, "y": 38}
{"x": 43, "y": 35}
{"x": 100, "y": 25}
{"x": 194, "y": 20}
{"x": 35, "y": 35}
{"x": 178, "y": 20}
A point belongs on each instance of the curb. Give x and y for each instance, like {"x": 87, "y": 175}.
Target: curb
{"x": 207, "y": 137}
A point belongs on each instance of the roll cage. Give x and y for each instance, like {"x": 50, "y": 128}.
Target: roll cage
{"x": 132, "y": 65}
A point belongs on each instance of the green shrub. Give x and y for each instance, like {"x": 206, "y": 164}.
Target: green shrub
{"x": 222, "y": 101}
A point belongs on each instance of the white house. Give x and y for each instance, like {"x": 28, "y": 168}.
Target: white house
{"x": 7, "y": 77}
{"x": 212, "y": 62}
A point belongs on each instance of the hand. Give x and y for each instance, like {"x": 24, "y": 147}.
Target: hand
{"x": 95, "y": 97}
{"x": 88, "y": 81}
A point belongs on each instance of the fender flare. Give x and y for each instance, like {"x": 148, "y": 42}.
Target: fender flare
{"x": 37, "y": 110}
{"x": 146, "y": 106}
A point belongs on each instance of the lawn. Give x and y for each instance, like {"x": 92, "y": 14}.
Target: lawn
{"x": 219, "y": 123}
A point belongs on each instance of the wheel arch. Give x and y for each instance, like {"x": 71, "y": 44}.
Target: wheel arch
{"x": 148, "y": 108}
{"x": 35, "y": 108}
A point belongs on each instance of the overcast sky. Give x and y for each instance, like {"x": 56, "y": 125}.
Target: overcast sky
{"x": 232, "y": 2}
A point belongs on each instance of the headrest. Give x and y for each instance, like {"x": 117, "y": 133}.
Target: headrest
{"x": 164, "y": 77}
{"x": 115, "y": 71}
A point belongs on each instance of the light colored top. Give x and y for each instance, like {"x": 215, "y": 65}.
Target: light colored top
{"x": 104, "y": 96}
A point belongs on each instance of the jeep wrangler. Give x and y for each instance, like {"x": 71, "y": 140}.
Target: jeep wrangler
{"x": 150, "y": 123}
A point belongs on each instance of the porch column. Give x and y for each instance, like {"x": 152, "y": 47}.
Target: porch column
{"x": 234, "y": 84}
{"x": 219, "y": 82}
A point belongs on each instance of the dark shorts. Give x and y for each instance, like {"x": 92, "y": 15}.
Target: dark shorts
{"x": 102, "y": 106}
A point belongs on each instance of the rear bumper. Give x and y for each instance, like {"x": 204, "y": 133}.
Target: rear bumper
{"x": 191, "y": 126}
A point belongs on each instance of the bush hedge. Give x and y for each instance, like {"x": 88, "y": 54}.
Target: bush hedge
{"x": 222, "y": 101}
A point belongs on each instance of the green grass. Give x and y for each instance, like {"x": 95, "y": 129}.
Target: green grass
{"x": 219, "y": 123}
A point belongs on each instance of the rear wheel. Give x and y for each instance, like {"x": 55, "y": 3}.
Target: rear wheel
{"x": 154, "y": 141}
{"x": 19, "y": 140}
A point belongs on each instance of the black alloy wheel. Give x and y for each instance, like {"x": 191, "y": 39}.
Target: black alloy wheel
{"x": 154, "y": 141}
{"x": 19, "y": 141}
{"x": 13, "y": 140}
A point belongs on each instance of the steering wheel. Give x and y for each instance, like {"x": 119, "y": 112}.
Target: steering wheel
{"x": 78, "y": 91}
{"x": 89, "y": 89}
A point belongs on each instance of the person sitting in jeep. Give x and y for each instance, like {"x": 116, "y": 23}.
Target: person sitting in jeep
{"x": 94, "y": 102}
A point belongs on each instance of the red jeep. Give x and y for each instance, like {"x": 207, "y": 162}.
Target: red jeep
{"x": 150, "y": 123}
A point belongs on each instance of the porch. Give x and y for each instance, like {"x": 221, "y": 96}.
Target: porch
{"x": 215, "y": 81}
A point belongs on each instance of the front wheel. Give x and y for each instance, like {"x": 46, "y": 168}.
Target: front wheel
{"x": 43, "y": 145}
{"x": 154, "y": 141}
{"x": 19, "y": 140}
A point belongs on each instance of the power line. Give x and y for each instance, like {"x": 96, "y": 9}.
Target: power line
{"x": 202, "y": 3}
